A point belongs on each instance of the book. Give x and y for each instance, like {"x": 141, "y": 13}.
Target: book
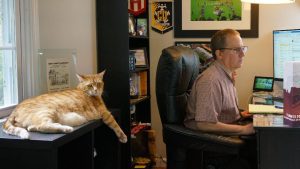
{"x": 143, "y": 83}
{"x": 264, "y": 109}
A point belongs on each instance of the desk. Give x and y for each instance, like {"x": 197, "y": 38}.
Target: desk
{"x": 278, "y": 147}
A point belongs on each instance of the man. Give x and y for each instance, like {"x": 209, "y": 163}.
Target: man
{"x": 212, "y": 105}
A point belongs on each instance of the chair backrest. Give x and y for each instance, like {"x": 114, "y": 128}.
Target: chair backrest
{"x": 177, "y": 69}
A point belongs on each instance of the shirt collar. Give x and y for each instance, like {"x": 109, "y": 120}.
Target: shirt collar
{"x": 226, "y": 70}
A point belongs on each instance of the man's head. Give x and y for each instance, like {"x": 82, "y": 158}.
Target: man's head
{"x": 227, "y": 47}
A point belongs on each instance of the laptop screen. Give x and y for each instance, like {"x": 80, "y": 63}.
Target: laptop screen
{"x": 263, "y": 84}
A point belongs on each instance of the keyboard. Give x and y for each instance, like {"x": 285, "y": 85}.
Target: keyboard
{"x": 277, "y": 98}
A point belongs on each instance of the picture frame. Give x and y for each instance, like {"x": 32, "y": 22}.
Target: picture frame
{"x": 57, "y": 70}
{"x": 185, "y": 28}
{"x": 203, "y": 51}
{"x": 141, "y": 26}
{"x": 140, "y": 55}
{"x": 194, "y": 44}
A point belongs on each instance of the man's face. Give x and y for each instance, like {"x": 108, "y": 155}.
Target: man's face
{"x": 233, "y": 53}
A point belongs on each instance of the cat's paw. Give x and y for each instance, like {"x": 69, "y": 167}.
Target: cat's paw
{"x": 24, "y": 134}
{"x": 32, "y": 128}
{"x": 68, "y": 129}
{"x": 123, "y": 138}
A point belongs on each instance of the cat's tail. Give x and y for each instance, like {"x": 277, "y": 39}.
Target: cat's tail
{"x": 10, "y": 128}
{"x": 110, "y": 121}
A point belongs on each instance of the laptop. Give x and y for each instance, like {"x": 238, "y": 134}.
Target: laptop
{"x": 262, "y": 90}
{"x": 263, "y": 84}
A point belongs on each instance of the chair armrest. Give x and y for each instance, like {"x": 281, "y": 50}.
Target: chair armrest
{"x": 192, "y": 139}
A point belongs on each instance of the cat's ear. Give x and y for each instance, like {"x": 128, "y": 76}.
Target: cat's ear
{"x": 101, "y": 74}
{"x": 80, "y": 77}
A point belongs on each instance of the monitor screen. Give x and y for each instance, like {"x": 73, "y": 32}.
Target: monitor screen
{"x": 286, "y": 47}
{"x": 263, "y": 84}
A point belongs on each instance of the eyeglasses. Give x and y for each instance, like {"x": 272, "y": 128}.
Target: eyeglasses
{"x": 237, "y": 50}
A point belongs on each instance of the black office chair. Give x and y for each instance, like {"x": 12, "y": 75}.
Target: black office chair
{"x": 177, "y": 69}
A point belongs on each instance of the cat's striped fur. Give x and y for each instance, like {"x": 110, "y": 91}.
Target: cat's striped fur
{"x": 59, "y": 112}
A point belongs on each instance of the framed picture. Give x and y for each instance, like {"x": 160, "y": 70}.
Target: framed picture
{"x": 201, "y": 18}
{"x": 195, "y": 44}
{"x": 57, "y": 69}
{"x": 141, "y": 26}
{"x": 202, "y": 49}
{"x": 140, "y": 56}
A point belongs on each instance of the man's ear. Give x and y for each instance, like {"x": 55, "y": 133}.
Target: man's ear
{"x": 218, "y": 54}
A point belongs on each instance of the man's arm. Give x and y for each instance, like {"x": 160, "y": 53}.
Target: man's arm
{"x": 225, "y": 129}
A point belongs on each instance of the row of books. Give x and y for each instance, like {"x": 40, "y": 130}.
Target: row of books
{"x": 138, "y": 84}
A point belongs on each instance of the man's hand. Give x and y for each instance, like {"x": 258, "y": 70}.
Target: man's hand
{"x": 246, "y": 114}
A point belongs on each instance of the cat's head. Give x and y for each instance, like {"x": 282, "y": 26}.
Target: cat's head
{"x": 92, "y": 84}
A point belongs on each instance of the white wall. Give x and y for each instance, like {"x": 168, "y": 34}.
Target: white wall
{"x": 258, "y": 60}
{"x": 70, "y": 24}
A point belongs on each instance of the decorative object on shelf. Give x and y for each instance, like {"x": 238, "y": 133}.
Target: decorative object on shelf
{"x": 133, "y": 83}
{"x": 132, "y": 109}
{"x": 57, "y": 69}
{"x": 131, "y": 61}
{"x": 161, "y": 13}
{"x": 268, "y": 1}
{"x": 142, "y": 26}
{"x": 140, "y": 56}
{"x": 139, "y": 127}
{"x": 204, "y": 18}
{"x": 137, "y": 7}
{"x": 131, "y": 25}
{"x": 132, "y": 113}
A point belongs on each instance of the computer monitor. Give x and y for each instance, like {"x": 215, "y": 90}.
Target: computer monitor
{"x": 286, "y": 47}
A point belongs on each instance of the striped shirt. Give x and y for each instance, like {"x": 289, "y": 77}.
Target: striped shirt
{"x": 213, "y": 97}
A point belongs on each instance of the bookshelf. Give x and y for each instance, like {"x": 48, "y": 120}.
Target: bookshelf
{"x": 127, "y": 86}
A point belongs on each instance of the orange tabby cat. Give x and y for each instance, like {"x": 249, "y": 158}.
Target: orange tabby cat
{"x": 59, "y": 112}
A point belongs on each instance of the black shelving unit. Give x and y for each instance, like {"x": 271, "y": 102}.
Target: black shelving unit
{"x": 61, "y": 151}
{"x": 113, "y": 46}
